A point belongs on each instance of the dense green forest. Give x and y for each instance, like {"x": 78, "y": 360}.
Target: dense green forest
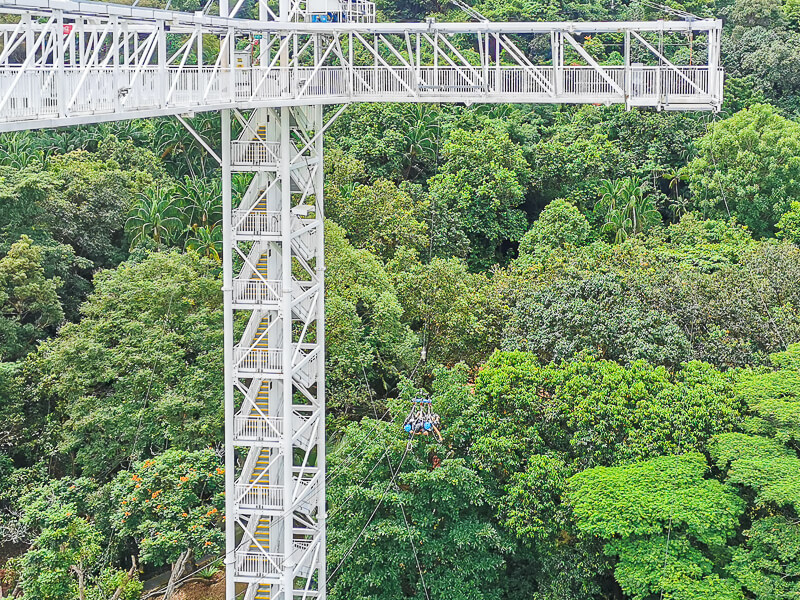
{"x": 604, "y": 306}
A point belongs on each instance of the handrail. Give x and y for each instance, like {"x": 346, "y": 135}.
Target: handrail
{"x": 33, "y": 95}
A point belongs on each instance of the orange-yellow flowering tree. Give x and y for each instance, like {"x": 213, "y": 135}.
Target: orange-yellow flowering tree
{"x": 171, "y": 506}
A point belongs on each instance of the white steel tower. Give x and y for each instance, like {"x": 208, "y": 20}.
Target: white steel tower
{"x": 275, "y": 395}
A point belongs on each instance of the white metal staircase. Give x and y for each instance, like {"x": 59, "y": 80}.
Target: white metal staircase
{"x": 279, "y": 492}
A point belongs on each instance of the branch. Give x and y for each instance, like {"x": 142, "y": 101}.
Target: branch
{"x": 128, "y": 575}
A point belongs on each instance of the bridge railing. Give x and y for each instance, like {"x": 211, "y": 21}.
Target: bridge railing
{"x": 258, "y": 564}
{"x": 46, "y": 92}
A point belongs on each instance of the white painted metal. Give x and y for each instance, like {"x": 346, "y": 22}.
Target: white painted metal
{"x": 278, "y": 499}
{"x": 80, "y": 62}
{"x": 66, "y": 62}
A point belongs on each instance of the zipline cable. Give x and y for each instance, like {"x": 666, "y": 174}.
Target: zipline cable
{"x": 372, "y": 516}
{"x": 350, "y": 497}
{"x": 414, "y": 550}
{"x": 347, "y": 461}
{"x": 410, "y": 537}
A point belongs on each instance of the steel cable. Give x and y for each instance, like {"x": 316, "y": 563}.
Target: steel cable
{"x": 372, "y": 516}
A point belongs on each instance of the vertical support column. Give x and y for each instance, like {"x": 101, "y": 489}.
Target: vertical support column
{"x": 228, "y": 377}
{"x": 117, "y": 36}
{"x": 286, "y": 346}
{"x": 319, "y": 216}
{"x": 60, "y": 83}
{"x": 230, "y": 60}
{"x": 227, "y": 295}
{"x": 163, "y": 82}
{"x": 350, "y": 64}
{"x": 627, "y": 51}
{"x": 557, "y": 55}
{"x": 29, "y": 43}
{"x": 714, "y": 78}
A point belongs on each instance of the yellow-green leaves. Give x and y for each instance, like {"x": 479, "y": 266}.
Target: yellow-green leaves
{"x": 644, "y": 498}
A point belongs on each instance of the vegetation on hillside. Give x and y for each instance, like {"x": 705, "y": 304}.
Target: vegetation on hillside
{"x": 604, "y": 306}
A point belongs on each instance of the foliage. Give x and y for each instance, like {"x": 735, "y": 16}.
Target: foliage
{"x": 616, "y": 143}
{"x": 531, "y": 506}
{"x": 560, "y": 225}
{"x": 141, "y": 371}
{"x": 769, "y": 55}
{"x": 526, "y": 428}
{"x": 654, "y": 493}
{"x": 206, "y": 241}
{"x": 482, "y": 182}
{"x": 592, "y": 412}
{"x": 774, "y": 396}
{"x": 379, "y": 217}
{"x": 421, "y": 133}
{"x": 171, "y": 503}
{"x": 788, "y": 227}
{"x": 598, "y": 313}
{"x": 446, "y": 305}
{"x": 73, "y": 206}
{"x": 699, "y": 290}
{"x": 570, "y": 165}
{"x": 66, "y": 558}
{"x": 177, "y": 148}
{"x": 748, "y": 166}
{"x": 88, "y": 211}
{"x": 368, "y": 344}
{"x": 155, "y": 217}
{"x": 200, "y": 201}
{"x": 659, "y": 517}
{"x": 626, "y": 208}
{"x": 762, "y": 464}
{"x": 767, "y": 564}
{"x": 29, "y": 304}
{"x": 427, "y": 538}
{"x": 67, "y": 546}
{"x": 367, "y": 132}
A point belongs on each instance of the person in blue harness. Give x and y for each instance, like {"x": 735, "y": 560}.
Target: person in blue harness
{"x": 422, "y": 420}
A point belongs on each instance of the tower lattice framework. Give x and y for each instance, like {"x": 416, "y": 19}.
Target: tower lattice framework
{"x": 275, "y": 398}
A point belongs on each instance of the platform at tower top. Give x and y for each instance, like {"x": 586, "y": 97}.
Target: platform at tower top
{"x": 64, "y": 62}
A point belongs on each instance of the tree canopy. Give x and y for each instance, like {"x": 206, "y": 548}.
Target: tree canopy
{"x": 602, "y": 304}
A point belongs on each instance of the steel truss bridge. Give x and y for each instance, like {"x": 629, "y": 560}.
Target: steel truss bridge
{"x": 65, "y": 62}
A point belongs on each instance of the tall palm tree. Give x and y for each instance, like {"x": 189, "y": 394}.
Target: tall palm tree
{"x": 206, "y": 241}
{"x": 609, "y": 191}
{"x": 200, "y": 201}
{"x": 626, "y": 207}
{"x": 175, "y": 145}
{"x": 239, "y": 184}
{"x": 680, "y": 205}
{"x": 135, "y": 130}
{"x": 156, "y": 217}
{"x": 421, "y": 133}
{"x": 618, "y": 224}
{"x": 180, "y": 150}
{"x": 642, "y": 212}
{"x": 18, "y": 150}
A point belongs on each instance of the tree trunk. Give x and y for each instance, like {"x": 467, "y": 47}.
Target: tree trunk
{"x": 79, "y": 571}
{"x": 178, "y": 567}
